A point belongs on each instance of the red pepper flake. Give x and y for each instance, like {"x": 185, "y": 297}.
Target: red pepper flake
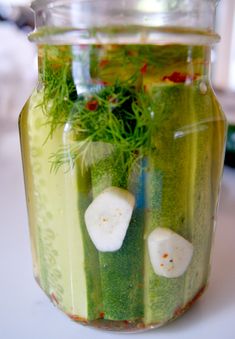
{"x": 103, "y": 63}
{"x": 99, "y": 82}
{"x": 105, "y": 83}
{"x": 176, "y": 77}
{"x": 179, "y": 77}
{"x": 54, "y": 299}
{"x": 143, "y": 69}
{"x": 92, "y": 105}
{"x": 102, "y": 315}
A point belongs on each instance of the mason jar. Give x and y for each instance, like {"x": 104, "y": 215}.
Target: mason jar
{"x": 123, "y": 147}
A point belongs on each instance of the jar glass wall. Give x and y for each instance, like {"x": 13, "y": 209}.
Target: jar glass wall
{"x": 122, "y": 145}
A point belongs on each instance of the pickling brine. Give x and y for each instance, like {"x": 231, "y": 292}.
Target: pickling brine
{"x": 122, "y": 149}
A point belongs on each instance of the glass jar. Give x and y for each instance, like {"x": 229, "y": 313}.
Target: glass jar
{"x": 123, "y": 146}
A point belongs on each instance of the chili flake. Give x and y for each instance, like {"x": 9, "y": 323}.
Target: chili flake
{"x": 179, "y": 77}
{"x": 176, "y": 77}
{"x": 103, "y": 63}
{"x": 143, "y": 69}
{"x": 99, "y": 82}
{"x": 92, "y": 105}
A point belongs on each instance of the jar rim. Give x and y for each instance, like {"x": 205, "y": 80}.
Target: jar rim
{"x": 36, "y": 4}
{"x": 74, "y": 15}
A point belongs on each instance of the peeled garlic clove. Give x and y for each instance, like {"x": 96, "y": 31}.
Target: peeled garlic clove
{"x": 170, "y": 253}
{"x": 107, "y": 218}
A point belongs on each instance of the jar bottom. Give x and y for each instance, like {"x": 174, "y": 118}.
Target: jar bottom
{"x": 134, "y": 326}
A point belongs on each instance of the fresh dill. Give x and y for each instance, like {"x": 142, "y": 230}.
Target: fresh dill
{"x": 114, "y": 110}
{"x": 58, "y": 86}
{"x": 117, "y": 118}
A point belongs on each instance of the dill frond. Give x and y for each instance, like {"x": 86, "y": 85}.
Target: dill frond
{"x": 116, "y": 118}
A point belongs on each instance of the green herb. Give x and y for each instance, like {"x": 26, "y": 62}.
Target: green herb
{"x": 117, "y": 115}
{"x": 117, "y": 111}
{"x": 58, "y": 87}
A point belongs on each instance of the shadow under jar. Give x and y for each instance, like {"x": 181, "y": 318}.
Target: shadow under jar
{"x": 123, "y": 147}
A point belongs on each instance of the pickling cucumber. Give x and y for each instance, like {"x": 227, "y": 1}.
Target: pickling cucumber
{"x": 179, "y": 192}
{"x": 166, "y": 196}
{"x": 122, "y": 271}
{"x": 64, "y": 269}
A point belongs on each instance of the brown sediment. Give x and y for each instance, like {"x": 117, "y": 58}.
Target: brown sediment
{"x": 133, "y": 326}
{"x": 102, "y": 315}
{"x": 181, "y": 310}
{"x": 77, "y": 319}
{"x": 118, "y": 326}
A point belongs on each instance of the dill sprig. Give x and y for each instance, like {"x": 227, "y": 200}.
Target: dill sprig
{"x": 115, "y": 120}
{"x": 58, "y": 86}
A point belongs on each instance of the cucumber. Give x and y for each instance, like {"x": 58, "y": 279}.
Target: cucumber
{"x": 206, "y": 150}
{"x": 67, "y": 261}
{"x": 166, "y": 195}
{"x": 90, "y": 254}
{"x": 122, "y": 271}
{"x": 178, "y": 193}
{"x": 29, "y": 189}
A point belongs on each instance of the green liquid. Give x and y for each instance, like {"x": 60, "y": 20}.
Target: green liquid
{"x": 140, "y": 117}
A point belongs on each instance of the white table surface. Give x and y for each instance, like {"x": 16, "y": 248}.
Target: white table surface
{"x": 26, "y": 313}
